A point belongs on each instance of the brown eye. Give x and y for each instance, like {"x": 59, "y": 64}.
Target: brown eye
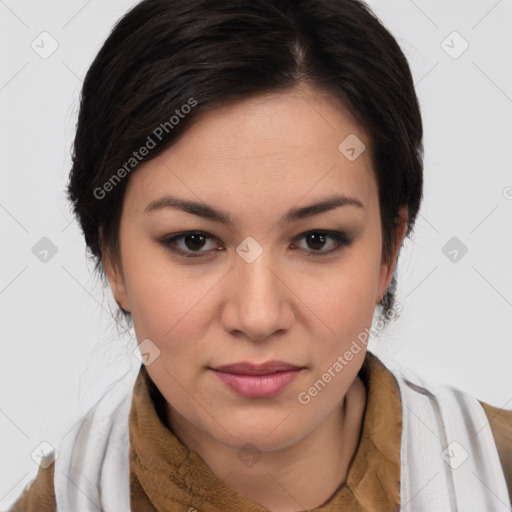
{"x": 317, "y": 240}
{"x": 194, "y": 241}
{"x": 190, "y": 244}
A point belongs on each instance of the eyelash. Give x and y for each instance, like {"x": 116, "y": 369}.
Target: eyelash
{"x": 341, "y": 239}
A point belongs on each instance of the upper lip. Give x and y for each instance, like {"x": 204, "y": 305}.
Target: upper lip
{"x": 246, "y": 368}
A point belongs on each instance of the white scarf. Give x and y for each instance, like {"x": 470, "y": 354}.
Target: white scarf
{"x": 448, "y": 459}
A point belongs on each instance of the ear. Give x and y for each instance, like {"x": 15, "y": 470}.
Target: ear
{"x": 388, "y": 267}
{"x": 114, "y": 273}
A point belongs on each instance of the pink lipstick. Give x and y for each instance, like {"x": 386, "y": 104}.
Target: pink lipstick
{"x": 257, "y": 381}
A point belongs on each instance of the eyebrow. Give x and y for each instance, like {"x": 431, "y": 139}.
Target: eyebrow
{"x": 208, "y": 212}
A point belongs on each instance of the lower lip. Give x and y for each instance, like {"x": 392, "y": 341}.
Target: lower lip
{"x": 257, "y": 386}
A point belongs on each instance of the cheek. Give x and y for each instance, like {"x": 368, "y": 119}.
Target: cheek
{"x": 167, "y": 305}
{"x": 165, "y": 312}
{"x": 345, "y": 301}
{"x": 155, "y": 295}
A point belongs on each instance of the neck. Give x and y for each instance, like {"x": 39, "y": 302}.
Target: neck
{"x": 299, "y": 477}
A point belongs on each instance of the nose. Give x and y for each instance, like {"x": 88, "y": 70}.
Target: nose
{"x": 259, "y": 303}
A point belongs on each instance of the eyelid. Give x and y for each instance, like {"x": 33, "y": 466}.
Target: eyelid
{"x": 341, "y": 238}
{"x": 168, "y": 239}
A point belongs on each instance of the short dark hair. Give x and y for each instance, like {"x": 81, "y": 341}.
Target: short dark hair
{"x": 162, "y": 53}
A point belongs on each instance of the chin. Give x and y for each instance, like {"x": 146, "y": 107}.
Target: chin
{"x": 267, "y": 433}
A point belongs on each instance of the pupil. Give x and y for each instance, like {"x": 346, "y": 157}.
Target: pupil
{"x": 318, "y": 238}
{"x": 196, "y": 239}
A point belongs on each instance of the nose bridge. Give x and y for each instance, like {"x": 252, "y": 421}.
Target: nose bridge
{"x": 259, "y": 304}
{"x": 257, "y": 284}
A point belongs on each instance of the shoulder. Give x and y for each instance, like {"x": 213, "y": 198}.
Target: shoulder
{"x": 102, "y": 433}
{"x": 39, "y": 494}
{"x": 500, "y": 421}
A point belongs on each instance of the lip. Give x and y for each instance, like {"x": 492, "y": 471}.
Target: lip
{"x": 257, "y": 381}
{"x": 246, "y": 368}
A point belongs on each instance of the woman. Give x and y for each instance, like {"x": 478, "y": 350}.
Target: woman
{"x": 244, "y": 174}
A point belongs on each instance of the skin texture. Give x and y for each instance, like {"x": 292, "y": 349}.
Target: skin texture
{"x": 255, "y": 160}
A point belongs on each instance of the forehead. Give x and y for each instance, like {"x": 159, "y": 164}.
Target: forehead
{"x": 272, "y": 148}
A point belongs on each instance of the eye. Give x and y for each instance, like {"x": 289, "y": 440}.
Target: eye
{"x": 191, "y": 243}
{"x": 318, "y": 239}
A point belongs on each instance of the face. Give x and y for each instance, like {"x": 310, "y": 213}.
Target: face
{"x": 279, "y": 282}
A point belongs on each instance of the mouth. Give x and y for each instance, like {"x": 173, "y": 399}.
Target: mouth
{"x": 257, "y": 381}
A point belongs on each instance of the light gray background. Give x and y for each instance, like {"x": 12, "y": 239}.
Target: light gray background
{"x": 60, "y": 348}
